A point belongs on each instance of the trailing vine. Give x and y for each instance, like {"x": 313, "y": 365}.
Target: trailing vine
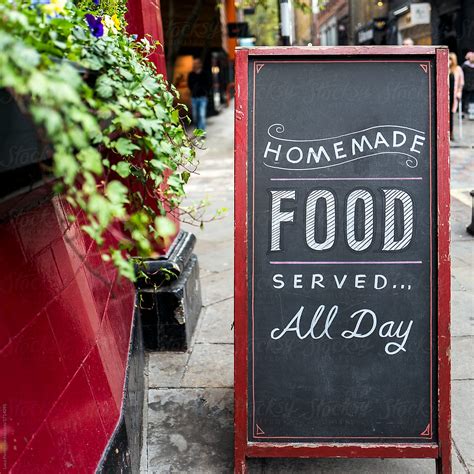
{"x": 120, "y": 151}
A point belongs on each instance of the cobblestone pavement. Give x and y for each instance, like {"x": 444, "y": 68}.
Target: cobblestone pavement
{"x": 189, "y": 421}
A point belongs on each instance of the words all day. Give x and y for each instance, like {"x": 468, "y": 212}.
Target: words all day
{"x": 364, "y": 323}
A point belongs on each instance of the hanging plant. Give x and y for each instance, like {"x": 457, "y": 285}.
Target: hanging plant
{"x": 120, "y": 151}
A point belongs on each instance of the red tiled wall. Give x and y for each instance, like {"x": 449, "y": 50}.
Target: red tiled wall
{"x": 65, "y": 325}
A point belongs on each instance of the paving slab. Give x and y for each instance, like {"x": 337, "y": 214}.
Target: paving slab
{"x": 216, "y": 232}
{"x": 216, "y": 323}
{"x": 210, "y": 365}
{"x": 463, "y": 420}
{"x": 464, "y": 251}
{"x": 458, "y": 466}
{"x": 462, "y": 359}
{"x": 464, "y": 276}
{"x": 215, "y": 256}
{"x": 166, "y": 369}
{"x": 190, "y": 430}
{"x": 217, "y": 287}
{"x": 462, "y": 308}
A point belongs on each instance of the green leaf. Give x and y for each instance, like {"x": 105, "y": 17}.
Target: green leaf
{"x": 104, "y": 86}
{"x": 91, "y": 160}
{"x": 126, "y": 121}
{"x": 164, "y": 226}
{"x": 185, "y": 175}
{"x": 49, "y": 118}
{"x": 65, "y": 166}
{"x": 125, "y": 147}
{"x": 123, "y": 169}
{"x": 125, "y": 266}
{"x": 24, "y": 57}
{"x": 158, "y": 165}
{"x": 116, "y": 192}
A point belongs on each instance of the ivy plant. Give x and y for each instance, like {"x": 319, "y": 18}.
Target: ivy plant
{"x": 119, "y": 148}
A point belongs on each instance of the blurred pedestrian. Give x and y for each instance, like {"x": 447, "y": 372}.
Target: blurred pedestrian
{"x": 199, "y": 84}
{"x": 456, "y": 84}
{"x": 468, "y": 70}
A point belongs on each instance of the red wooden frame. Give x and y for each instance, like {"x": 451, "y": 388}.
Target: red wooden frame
{"x": 441, "y": 450}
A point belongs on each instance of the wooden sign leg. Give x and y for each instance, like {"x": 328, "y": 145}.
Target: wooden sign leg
{"x": 443, "y": 463}
{"x": 240, "y": 464}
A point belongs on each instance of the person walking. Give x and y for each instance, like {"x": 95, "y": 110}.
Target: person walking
{"x": 199, "y": 84}
{"x": 456, "y": 84}
{"x": 468, "y": 70}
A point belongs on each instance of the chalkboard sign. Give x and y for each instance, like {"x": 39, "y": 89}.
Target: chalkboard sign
{"x": 341, "y": 230}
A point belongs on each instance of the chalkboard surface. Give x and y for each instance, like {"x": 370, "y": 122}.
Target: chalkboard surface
{"x": 341, "y": 250}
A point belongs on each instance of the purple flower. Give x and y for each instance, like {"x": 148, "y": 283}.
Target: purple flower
{"x": 95, "y": 25}
{"x": 96, "y": 1}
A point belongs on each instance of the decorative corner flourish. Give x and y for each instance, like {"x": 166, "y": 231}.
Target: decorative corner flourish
{"x": 427, "y": 431}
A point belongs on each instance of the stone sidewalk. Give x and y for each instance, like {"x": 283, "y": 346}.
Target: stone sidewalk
{"x": 188, "y": 416}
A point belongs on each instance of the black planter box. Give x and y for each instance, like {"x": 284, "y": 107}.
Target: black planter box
{"x": 170, "y": 307}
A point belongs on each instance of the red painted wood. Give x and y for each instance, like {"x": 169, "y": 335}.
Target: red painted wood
{"x": 444, "y": 263}
{"x": 341, "y": 50}
{"x": 442, "y": 450}
{"x": 342, "y": 450}
{"x": 144, "y": 19}
{"x": 240, "y": 261}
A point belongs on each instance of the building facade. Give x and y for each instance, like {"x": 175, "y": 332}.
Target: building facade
{"x": 444, "y": 22}
{"x": 332, "y": 23}
{"x": 198, "y": 29}
{"x": 409, "y": 20}
{"x": 303, "y": 24}
{"x": 453, "y": 25}
{"x": 368, "y": 22}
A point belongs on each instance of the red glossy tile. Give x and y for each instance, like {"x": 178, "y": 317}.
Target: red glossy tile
{"x": 11, "y": 251}
{"x": 12, "y": 279}
{"x": 26, "y": 290}
{"x": 75, "y": 243}
{"x": 71, "y": 324}
{"x": 94, "y": 308}
{"x": 67, "y": 261}
{"x": 37, "y": 228}
{"x": 82, "y": 221}
{"x": 97, "y": 278}
{"x": 15, "y": 308}
{"x": 120, "y": 313}
{"x": 48, "y": 274}
{"x": 43, "y": 456}
{"x": 33, "y": 377}
{"x": 75, "y": 423}
{"x": 99, "y": 384}
{"x": 4, "y": 333}
{"x": 113, "y": 365}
